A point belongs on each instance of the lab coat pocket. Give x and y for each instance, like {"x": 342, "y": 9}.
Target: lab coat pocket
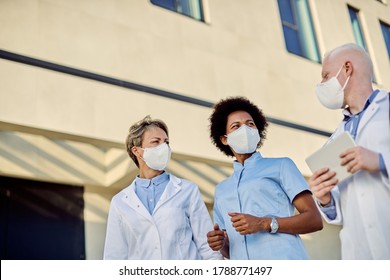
{"x": 173, "y": 223}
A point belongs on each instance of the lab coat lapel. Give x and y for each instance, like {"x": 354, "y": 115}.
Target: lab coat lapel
{"x": 135, "y": 203}
{"x": 170, "y": 191}
{"x": 369, "y": 112}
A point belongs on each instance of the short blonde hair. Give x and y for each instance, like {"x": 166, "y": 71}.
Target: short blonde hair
{"x": 136, "y": 132}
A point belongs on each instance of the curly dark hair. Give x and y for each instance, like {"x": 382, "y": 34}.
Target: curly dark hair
{"x": 218, "y": 120}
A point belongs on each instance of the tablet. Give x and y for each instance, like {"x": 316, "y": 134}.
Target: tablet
{"x": 328, "y": 156}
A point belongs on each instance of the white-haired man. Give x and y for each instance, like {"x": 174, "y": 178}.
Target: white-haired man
{"x": 361, "y": 204}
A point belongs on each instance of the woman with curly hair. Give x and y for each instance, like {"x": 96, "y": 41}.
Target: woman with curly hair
{"x": 260, "y": 210}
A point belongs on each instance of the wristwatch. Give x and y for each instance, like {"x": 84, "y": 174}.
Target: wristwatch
{"x": 274, "y": 226}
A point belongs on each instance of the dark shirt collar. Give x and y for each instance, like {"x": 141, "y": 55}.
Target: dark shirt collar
{"x": 370, "y": 99}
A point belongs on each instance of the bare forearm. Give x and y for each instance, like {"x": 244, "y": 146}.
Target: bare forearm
{"x": 300, "y": 224}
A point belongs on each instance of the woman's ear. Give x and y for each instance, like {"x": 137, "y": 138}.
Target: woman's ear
{"x": 223, "y": 139}
{"x": 135, "y": 152}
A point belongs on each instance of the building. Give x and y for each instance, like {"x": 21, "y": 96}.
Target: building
{"x": 75, "y": 74}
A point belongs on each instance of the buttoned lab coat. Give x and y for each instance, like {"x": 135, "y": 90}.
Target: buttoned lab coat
{"x": 363, "y": 201}
{"x": 177, "y": 228}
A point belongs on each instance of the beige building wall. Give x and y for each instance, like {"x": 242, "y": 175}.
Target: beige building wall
{"x": 82, "y": 124}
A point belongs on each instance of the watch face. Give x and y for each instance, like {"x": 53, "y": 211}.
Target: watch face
{"x": 274, "y": 225}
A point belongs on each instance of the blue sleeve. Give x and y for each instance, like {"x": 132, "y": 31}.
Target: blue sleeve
{"x": 292, "y": 180}
{"x": 382, "y": 167}
{"x": 329, "y": 210}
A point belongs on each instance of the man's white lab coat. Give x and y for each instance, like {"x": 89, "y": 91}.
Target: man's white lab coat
{"x": 177, "y": 228}
{"x": 363, "y": 201}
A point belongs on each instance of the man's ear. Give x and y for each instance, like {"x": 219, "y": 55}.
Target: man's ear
{"x": 348, "y": 68}
{"x": 223, "y": 139}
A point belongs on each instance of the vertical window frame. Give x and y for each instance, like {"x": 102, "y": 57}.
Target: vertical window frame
{"x": 307, "y": 50}
{"x": 385, "y": 28}
{"x": 361, "y": 35}
{"x": 361, "y": 31}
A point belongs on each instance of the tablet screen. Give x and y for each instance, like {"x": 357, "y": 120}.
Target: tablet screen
{"x": 328, "y": 156}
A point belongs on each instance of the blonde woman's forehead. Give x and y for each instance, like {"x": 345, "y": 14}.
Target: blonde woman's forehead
{"x": 154, "y": 132}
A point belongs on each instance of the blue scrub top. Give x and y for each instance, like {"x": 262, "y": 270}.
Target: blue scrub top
{"x": 263, "y": 187}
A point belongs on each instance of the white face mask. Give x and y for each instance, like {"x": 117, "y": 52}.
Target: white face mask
{"x": 243, "y": 140}
{"x": 331, "y": 93}
{"x": 157, "y": 158}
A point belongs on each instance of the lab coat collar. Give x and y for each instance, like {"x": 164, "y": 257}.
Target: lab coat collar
{"x": 131, "y": 198}
{"x": 371, "y": 110}
{"x": 170, "y": 191}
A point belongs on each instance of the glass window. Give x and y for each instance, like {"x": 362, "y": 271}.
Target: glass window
{"x": 356, "y": 27}
{"x": 298, "y": 29}
{"x": 191, "y": 8}
{"x": 358, "y": 31}
{"x": 386, "y": 35}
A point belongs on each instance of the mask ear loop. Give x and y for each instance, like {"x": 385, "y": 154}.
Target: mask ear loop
{"x": 143, "y": 149}
{"x": 339, "y": 71}
{"x": 346, "y": 82}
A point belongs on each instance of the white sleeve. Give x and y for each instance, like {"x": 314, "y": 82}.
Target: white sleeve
{"x": 201, "y": 224}
{"x": 115, "y": 247}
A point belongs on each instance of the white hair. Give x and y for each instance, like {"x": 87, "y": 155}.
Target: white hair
{"x": 353, "y": 48}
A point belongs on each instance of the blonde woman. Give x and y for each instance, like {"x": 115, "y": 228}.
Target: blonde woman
{"x": 159, "y": 216}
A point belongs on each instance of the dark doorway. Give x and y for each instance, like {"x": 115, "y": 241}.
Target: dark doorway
{"x": 40, "y": 220}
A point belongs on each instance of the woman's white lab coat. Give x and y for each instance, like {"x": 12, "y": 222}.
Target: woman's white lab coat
{"x": 363, "y": 201}
{"x": 177, "y": 228}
